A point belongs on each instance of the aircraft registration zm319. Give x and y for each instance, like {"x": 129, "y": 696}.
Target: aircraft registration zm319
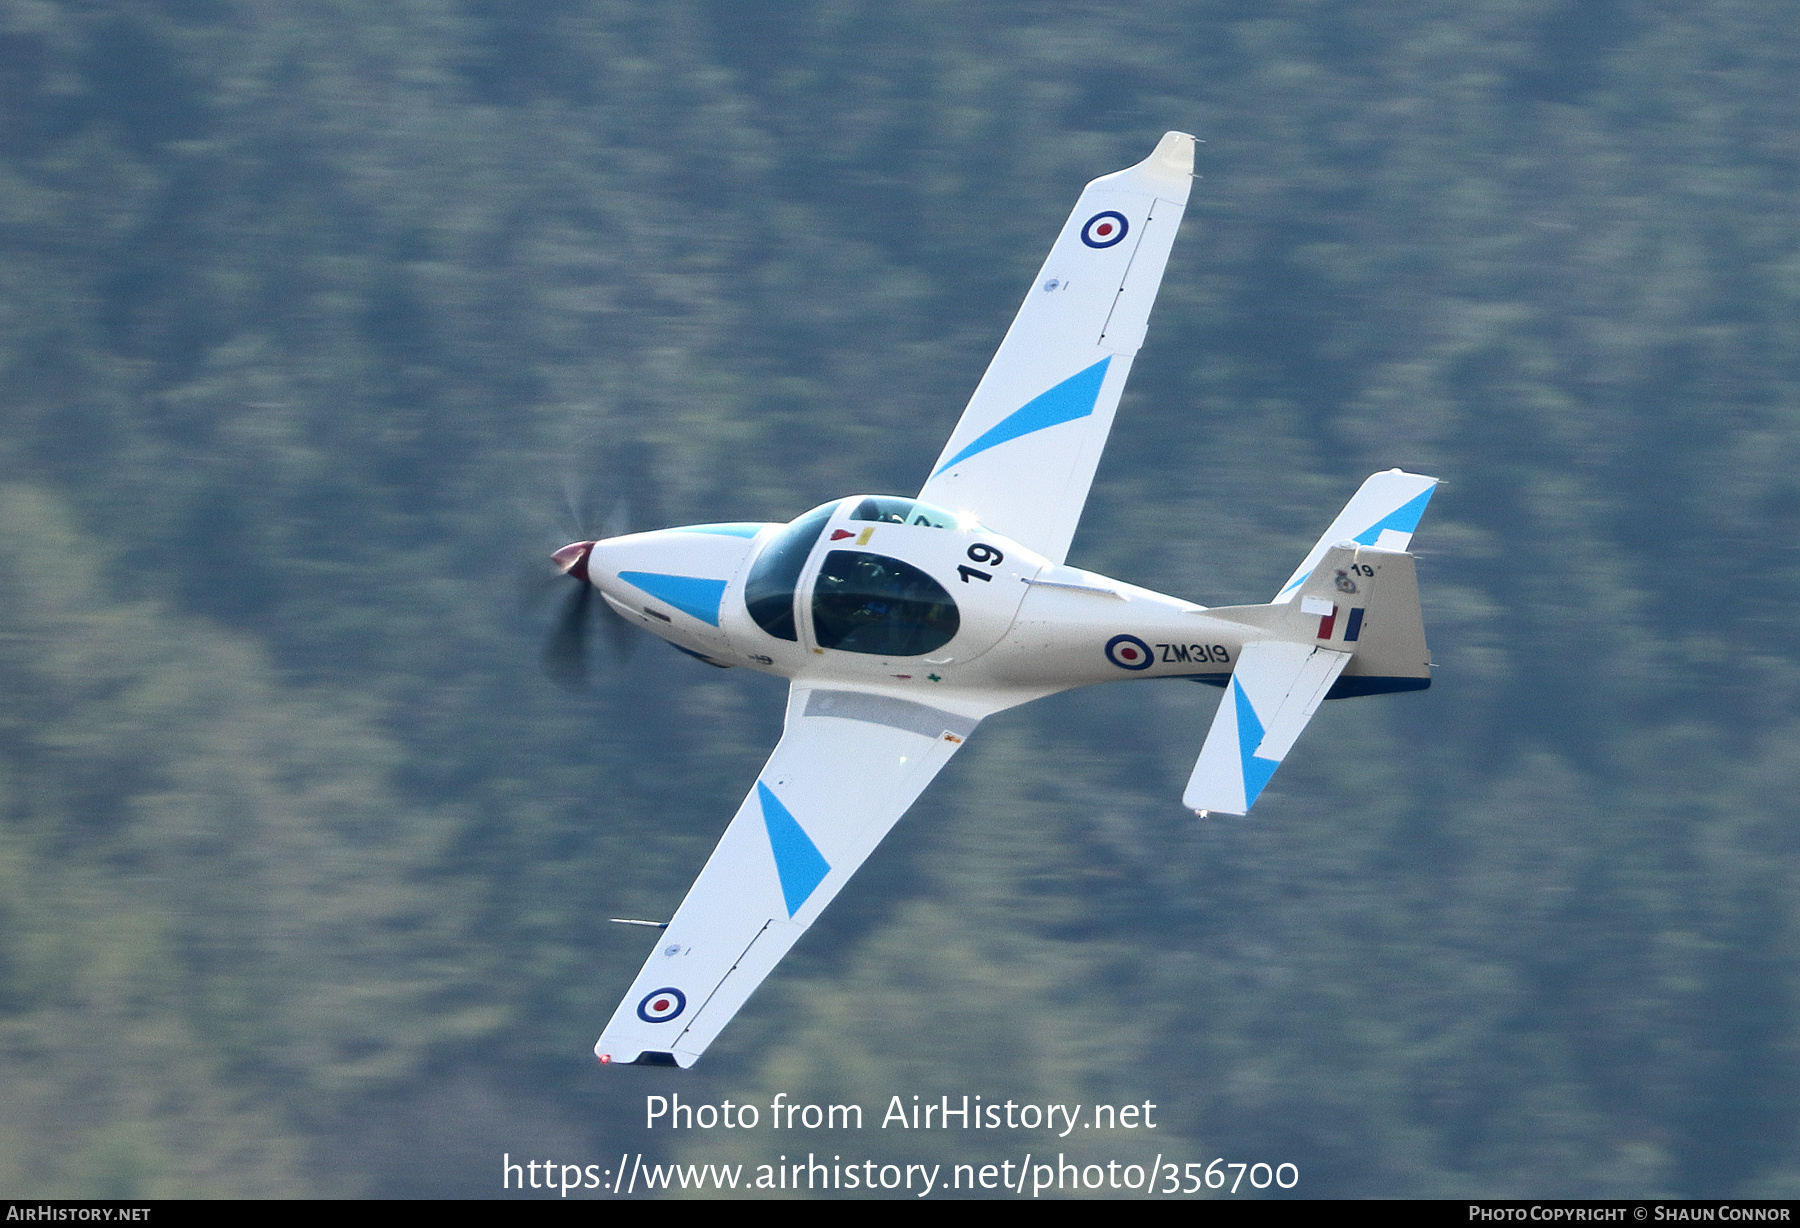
{"x": 901, "y": 622}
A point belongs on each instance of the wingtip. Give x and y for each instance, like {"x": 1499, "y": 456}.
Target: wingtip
{"x": 1171, "y": 163}
{"x": 1175, "y": 152}
{"x": 1168, "y": 171}
{"x": 644, "y": 1057}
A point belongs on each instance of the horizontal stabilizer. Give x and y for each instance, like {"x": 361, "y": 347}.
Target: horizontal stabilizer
{"x": 1274, "y": 691}
{"x": 1383, "y": 513}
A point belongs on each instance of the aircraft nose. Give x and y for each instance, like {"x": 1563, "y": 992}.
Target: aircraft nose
{"x": 600, "y": 563}
{"x": 678, "y": 567}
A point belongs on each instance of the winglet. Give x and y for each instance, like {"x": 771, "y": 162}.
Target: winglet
{"x": 1168, "y": 171}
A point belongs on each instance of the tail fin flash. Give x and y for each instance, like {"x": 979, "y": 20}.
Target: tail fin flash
{"x": 1358, "y": 600}
{"x": 1383, "y": 513}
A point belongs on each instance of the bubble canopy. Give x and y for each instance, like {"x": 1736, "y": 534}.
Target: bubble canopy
{"x": 891, "y": 509}
{"x": 862, "y": 602}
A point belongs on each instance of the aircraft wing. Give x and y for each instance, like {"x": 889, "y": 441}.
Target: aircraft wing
{"x": 1023, "y": 456}
{"x": 848, "y": 765}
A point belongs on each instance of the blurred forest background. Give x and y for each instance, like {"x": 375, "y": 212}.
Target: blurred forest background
{"x": 321, "y": 319}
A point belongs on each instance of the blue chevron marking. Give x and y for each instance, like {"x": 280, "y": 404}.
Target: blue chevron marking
{"x": 1074, "y": 398}
{"x": 692, "y": 595}
{"x": 797, "y": 859}
{"x": 1403, "y": 519}
{"x": 1250, "y": 735}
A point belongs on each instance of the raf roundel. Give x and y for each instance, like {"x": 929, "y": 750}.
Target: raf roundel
{"x": 1128, "y": 652}
{"x": 661, "y": 1005}
{"x": 1105, "y": 229}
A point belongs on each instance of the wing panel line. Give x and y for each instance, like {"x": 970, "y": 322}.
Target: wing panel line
{"x": 735, "y": 965}
{"x": 1125, "y": 278}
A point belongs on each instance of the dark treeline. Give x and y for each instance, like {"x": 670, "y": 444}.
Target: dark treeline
{"x": 323, "y": 321}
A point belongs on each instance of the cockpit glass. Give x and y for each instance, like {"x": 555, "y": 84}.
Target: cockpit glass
{"x": 871, "y": 603}
{"x": 769, "y": 588}
{"x": 890, "y": 509}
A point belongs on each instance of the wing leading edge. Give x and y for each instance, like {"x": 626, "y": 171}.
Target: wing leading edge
{"x": 1023, "y": 455}
{"x": 848, "y": 765}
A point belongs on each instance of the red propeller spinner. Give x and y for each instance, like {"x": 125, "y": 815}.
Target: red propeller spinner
{"x": 572, "y": 559}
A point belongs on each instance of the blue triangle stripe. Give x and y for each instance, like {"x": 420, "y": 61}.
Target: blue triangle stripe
{"x": 734, "y": 529}
{"x": 797, "y": 859}
{"x": 1074, "y": 398}
{"x": 691, "y": 595}
{"x": 1403, "y": 519}
{"x": 1257, "y": 771}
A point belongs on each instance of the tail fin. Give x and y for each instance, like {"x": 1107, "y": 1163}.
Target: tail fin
{"x": 1383, "y": 625}
{"x": 1383, "y": 513}
{"x": 1356, "y": 629}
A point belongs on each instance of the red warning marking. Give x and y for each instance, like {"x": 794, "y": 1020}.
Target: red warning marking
{"x": 838, "y": 535}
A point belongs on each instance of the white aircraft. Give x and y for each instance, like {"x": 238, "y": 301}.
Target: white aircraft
{"x": 903, "y": 622}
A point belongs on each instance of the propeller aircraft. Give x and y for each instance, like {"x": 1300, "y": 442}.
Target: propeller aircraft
{"x": 902, "y": 622}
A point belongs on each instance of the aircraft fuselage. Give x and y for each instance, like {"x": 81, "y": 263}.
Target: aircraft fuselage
{"x": 921, "y": 603}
